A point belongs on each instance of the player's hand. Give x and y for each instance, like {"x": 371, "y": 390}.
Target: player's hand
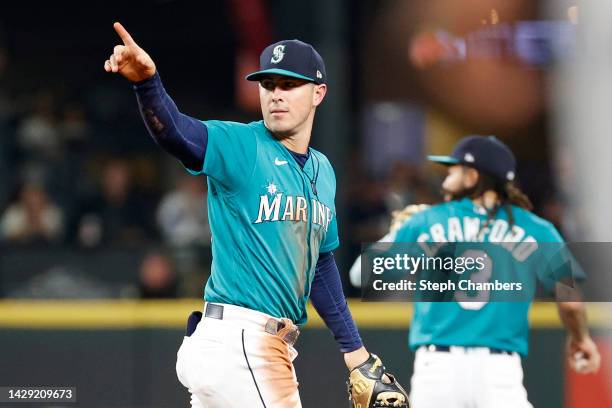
{"x": 583, "y": 356}
{"x": 129, "y": 59}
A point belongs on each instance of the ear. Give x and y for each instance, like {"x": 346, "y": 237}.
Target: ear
{"x": 318, "y": 94}
{"x": 470, "y": 177}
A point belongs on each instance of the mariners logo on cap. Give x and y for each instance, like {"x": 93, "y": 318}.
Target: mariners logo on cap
{"x": 277, "y": 54}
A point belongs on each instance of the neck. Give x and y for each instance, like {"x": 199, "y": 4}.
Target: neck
{"x": 296, "y": 145}
{"x": 488, "y": 200}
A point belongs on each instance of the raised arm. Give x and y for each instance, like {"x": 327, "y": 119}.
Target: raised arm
{"x": 184, "y": 137}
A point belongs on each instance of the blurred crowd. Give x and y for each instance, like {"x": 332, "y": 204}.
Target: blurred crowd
{"x": 76, "y": 174}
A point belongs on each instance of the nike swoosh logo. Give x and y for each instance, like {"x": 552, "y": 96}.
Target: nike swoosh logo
{"x": 279, "y": 162}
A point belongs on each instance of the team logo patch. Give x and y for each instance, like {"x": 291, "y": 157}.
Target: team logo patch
{"x": 469, "y": 158}
{"x": 277, "y": 54}
{"x": 319, "y": 74}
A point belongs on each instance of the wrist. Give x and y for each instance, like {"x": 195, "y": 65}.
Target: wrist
{"x": 144, "y": 82}
{"x": 355, "y": 358}
{"x": 580, "y": 334}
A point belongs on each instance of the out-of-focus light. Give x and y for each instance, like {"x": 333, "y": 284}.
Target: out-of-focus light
{"x": 494, "y": 17}
{"x": 572, "y": 14}
{"x": 484, "y": 21}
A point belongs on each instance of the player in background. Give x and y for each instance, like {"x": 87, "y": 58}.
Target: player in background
{"x": 469, "y": 353}
{"x": 273, "y": 221}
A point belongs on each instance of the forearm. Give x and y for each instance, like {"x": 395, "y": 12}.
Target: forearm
{"x": 574, "y": 318}
{"x": 328, "y": 299}
{"x": 180, "y": 135}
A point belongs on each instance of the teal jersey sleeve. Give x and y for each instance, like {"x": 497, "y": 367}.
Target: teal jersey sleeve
{"x": 230, "y": 155}
{"x": 559, "y": 264}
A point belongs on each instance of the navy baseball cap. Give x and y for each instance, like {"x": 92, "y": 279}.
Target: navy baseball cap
{"x": 292, "y": 58}
{"x": 484, "y": 153}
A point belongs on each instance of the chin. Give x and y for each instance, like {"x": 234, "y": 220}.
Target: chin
{"x": 280, "y": 130}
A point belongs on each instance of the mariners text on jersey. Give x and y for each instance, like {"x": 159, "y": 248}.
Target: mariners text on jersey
{"x": 295, "y": 208}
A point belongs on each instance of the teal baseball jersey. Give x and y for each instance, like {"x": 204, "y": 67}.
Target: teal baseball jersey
{"x": 484, "y": 323}
{"x": 269, "y": 217}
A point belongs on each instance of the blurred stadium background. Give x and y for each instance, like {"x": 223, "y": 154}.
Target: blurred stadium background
{"x": 96, "y": 221}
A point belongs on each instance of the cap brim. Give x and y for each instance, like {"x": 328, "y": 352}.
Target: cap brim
{"x": 448, "y": 160}
{"x": 256, "y": 76}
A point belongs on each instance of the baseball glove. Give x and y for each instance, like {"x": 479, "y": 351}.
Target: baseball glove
{"x": 367, "y": 389}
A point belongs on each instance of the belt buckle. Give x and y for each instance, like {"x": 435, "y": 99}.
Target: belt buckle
{"x": 283, "y": 328}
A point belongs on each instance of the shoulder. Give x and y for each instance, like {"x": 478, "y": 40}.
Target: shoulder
{"x": 324, "y": 172}
{"x": 323, "y": 166}
{"x": 455, "y": 208}
{"x": 321, "y": 160}
{"x": 440, "y": 210}
{"x": 535, "y": 225}
{"x": 430, "y": 215}
{"x": 230, "y": 126}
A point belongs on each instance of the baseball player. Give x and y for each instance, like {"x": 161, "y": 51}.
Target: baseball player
{"x": 468, "y": 353}
{"x": 273, "y": 221}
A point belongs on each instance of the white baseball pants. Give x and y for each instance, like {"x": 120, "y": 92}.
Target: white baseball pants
{"x": 467, "y": 377}
{"x": 233, "y": 362}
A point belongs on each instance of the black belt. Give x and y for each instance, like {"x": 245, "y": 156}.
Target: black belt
{"x": 284, "y": 329}
{"x": 446, "y": 349}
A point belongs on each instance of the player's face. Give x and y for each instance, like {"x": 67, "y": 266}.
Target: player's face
{"x": 288, "y": 104}
{"x": 458, "y": 179}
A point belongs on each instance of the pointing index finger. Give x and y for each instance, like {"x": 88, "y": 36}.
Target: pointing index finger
{"x": 125, "y": 36}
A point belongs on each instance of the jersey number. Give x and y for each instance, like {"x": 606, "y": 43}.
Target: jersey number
{"x": 481, "y": 298}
